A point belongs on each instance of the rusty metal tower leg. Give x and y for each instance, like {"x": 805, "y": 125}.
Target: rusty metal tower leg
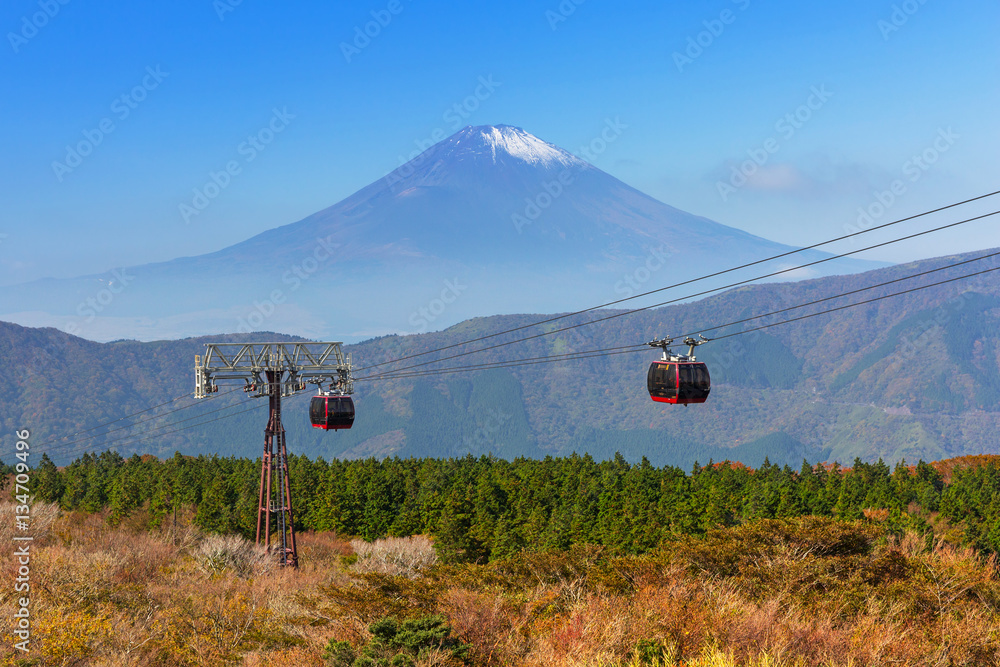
{"x": 276, "y": 498}
{"x": 287, "y": 524}
{"x": 263, "y": 503}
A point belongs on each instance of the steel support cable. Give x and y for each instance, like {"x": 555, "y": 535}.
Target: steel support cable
{"x": 856, "y": 291}
{"x": 619, "y": 350}
{"x": 593, "y": 354}
{"x": 686, "y": 282}
{"x": 153, "y": 429}
{"x": 860, "y": 303}
{"x": 144, "y": 421}
{"x": 115, "y": 421}
{"x": 690, "y": 296}
{"x": 130, "y": 439}
{"x": 568, "y": 356}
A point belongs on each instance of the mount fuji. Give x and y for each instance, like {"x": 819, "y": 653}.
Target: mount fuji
{"x": 490, "y": 220}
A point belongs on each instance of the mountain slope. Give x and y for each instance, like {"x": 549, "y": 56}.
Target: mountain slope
{"x": 488, "y": 221}
{"x": 911, "y": 376}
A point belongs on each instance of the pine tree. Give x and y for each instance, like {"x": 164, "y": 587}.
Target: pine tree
{"x": 48, "y": 482}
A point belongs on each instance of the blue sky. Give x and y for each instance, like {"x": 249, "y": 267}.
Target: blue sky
{"x": 182, "y": 86}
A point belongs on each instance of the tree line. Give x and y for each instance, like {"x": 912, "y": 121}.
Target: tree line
{"x": 487, "y": 508}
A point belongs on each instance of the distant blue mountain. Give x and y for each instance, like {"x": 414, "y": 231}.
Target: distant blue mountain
{"x": 490, "y": 220}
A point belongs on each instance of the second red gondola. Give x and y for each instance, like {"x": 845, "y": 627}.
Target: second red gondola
{"x": 678, "y": 383}
{"x": 677, "y": 378}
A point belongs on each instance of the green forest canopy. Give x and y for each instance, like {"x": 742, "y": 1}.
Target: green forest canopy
{"x": 487, "y": 508}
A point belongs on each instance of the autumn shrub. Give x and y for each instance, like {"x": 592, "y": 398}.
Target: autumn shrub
{"x": 322, "y": 547}
{"x": 65, "y": 636}
{"x": 495, "y": 627}
{"x": 395, "y": 556}
{"x": 289, "y": 657}
{"x": 220, "y": 553}
{"x": 581, "y": 567}
{"x": 371, "y": 596}
{"x": 40, "y": 517}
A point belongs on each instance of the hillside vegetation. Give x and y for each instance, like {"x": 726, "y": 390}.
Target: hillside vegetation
{"x": 775, "y": 593}
{"x": 912, "y": 377}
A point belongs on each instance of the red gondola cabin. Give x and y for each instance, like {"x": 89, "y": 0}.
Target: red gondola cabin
{"x": 332, "y": 413}
{"x": 678, "y": 382}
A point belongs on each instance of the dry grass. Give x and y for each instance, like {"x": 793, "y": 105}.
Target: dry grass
{"x": 216, "y": 554}
{"x": 794, "y": 594}
{"x": 395, "y": 556}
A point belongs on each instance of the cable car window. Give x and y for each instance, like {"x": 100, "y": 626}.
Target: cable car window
{"x": 662, "y": 380}
{"x": 317, "y": 411}
{"x": 694, "y": 381}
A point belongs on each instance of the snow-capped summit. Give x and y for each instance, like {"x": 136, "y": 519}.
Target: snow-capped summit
{"x": 480, "y": 154}
{"x": 502, "y": 141}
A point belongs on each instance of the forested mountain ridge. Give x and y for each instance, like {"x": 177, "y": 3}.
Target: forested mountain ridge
{"x": 913, "y": 376}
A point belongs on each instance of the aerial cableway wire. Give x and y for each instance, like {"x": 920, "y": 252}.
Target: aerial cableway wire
{"x": 61, "y": 446}
{"x": 130, "y": 439}
{"x": 860, "y": 303}
{"x": 684, "y": 298}
{"x": 143, "y": 421}
{"x": 115, "y": 421}
{"x": 686, "y": 282}
{"x": 625, "y": 349}
{"x": 158, "y": 430}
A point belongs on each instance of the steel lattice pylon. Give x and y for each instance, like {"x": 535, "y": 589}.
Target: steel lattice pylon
{"x": 274, "y": 370}
{"x": 275, "y": 496}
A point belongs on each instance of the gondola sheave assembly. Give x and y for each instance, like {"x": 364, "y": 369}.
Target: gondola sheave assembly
{"x": 678, "y": 379}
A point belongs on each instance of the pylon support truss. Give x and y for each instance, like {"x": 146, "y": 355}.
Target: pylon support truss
{"x": 298, "y": 364}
